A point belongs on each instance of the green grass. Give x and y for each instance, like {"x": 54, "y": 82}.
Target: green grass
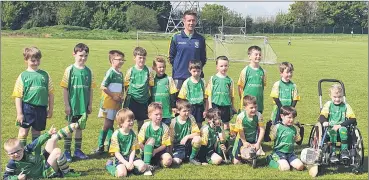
{"x": 313, "y": 59}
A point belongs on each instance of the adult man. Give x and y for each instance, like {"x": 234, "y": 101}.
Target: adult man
{"x": 186, "y": 45}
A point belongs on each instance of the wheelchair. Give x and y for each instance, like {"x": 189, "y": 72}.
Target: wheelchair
{"x": 319, "y": 141}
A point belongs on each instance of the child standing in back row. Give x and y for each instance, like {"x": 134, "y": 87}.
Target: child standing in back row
{"x": 164, "y": 90}
{"x": 112, "y": 88}
{"x": 138, "y": 82}
{"x": 220, "y": 92}
{"x": 252, "y": 80}
{"x": 77, "y": 83}
{"x": 193, "y": 89}
{"x": 34, "y": 98}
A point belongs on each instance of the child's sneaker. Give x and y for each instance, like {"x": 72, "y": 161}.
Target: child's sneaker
{"x": 82, "y": 121}
{"x": 68, "y": 156}
{"x": 334, "y": 158}
{"x": 345, "y": 154}
{"x": 99, "y": 151}
{"x": 79, "y": 154}
{"x": 72, "y": 173}
{"x": 147, "y": 173}
{"x": 195, "y": 162}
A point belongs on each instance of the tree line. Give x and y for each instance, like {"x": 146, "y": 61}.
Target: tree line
{"x": 123, "y": 16}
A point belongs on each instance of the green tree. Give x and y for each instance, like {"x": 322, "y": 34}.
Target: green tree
{"x": 142, "y": 18}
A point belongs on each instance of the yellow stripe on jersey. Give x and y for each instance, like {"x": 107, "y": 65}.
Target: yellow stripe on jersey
{"x": 325, "y": 109}
{"x": 349, "y": 112}
{"x": 241, "y": 79}
{"x": 209, "y": 87}
{"x": 275, "y": 90}
{"x": 135, "y": 145}
{"x": 183, "y": 91}
{"x": 127, "y": 77}
{"x": 65, "y": 79}
{"x": 295, "y": 94}
{"x": 172, "y": 86}
{"x": 141, "y": 134}
{"x": 18, "y": 88}
{"x": 194, "y": 126}
{"x": 114, "y": 145}
{"x": 50, "y": 85}
{"x": 151, "y": 77}
{"x": 165, "y": 140}
{"x": 204, "y": 131}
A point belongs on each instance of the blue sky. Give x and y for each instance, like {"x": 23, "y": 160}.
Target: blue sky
{"x": 254, "y": 8}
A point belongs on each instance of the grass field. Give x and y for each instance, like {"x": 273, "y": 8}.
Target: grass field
{"x": 313, "y": 59}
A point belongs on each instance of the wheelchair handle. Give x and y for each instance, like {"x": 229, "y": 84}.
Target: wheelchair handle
{"x": 325, "y": 134}
{"x": 320, "y": 89}
{"x": 330, "y": 80}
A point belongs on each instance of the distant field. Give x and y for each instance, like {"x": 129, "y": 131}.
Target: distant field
{"x": 314, "y": 58}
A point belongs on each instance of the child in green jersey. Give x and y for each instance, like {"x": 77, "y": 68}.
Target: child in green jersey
{"x": 184, "y": 134}
{"x": 251, "y": 130}
{"x": 193, "y": 89}
{"x": 284, "y": 135}
{"x": 284, "y": 91}
{"x": 124, "y": 145}
{"x": 138, "y": 82}
{"x": 337, "y": 115}
{"x": 77, "y": 83}
{"x": 27, "y": 162}
{"x": 34, "y": 97}
{"x": 164, "y": 89}
{"x": 220, "y": 92}
{"x": 252, "y": 80}
{"x": 112, "y": 93}
{"x": 154, "y": 138}
{"x": 209, "y": 139}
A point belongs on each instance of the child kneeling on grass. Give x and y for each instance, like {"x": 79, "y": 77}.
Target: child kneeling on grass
{"x": 154, "y": 139}
{"x": 285, "y": 135}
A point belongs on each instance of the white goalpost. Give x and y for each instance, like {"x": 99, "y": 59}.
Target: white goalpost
{"x": 235, "y": 47}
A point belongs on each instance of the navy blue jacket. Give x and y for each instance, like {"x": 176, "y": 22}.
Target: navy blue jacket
{"x": 182, "y": 50}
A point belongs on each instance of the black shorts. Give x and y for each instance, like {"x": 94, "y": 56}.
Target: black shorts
{"x": 197, "y": 111}
{"x": 289, "y": 157}
{"x": 74, "y": 119}
{"x": 166, "y": 121}
{"x": 225, "y": 112}
{"x": 138, "y": 109}
{"x": 182, "y": 152}
{"x": 155, "y": 160}
{"x": 34, "y": 116}
{"x": 205, "y": 154}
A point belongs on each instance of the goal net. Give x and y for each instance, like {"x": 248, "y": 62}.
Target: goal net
{"x": 235, "y": 47}
{"x": 155, "y": 43}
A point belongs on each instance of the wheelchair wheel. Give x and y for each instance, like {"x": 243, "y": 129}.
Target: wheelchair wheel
{"x": 358, "y": 149}
{"x": 315, "y": 136}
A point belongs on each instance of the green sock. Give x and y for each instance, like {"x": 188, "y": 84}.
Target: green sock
{"x": 63, "y": 164}
{"x": 111, "y": 169}
{"x": 148, "y": 153}
{"x": 63, "y": 133}
{"x": 109, "y": 135}
{"x": 194, "y": 152}
{"x": 101, "y": 139}
{"x": 77, "y": 143}
{"x": 67, "y": 143}
{"x": 343, "y": 135}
